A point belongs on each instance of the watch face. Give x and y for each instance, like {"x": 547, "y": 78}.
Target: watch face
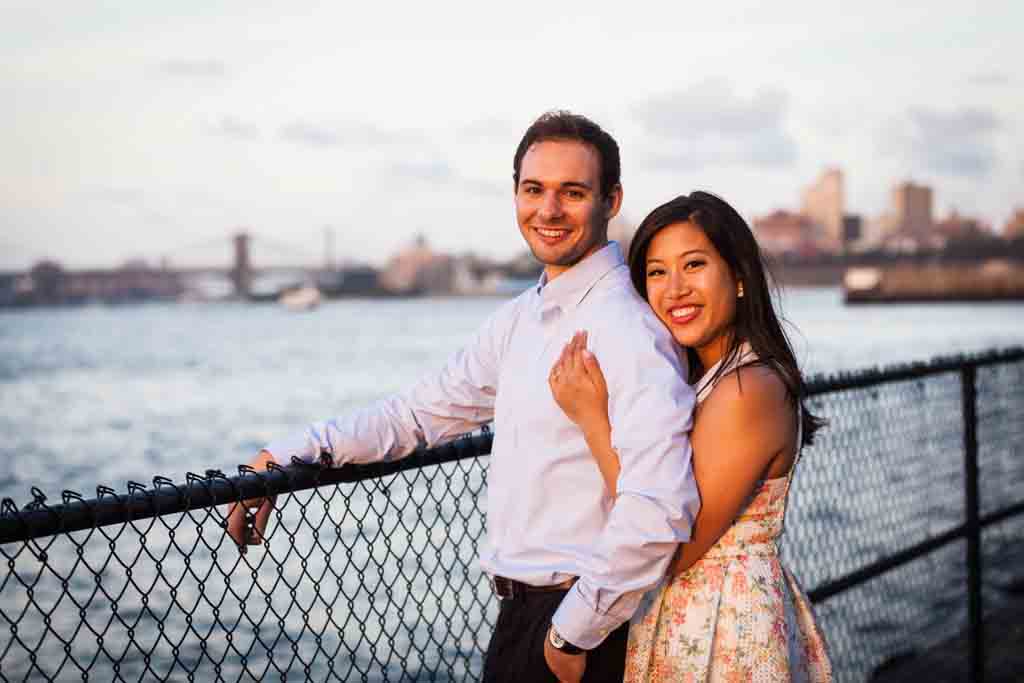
{"x": 557, "y": 640}
{"x": 560, "y": 643}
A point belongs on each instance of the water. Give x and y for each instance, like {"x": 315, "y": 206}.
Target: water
{"x": 111, "y": 394}
{"x": 108, "y": 394}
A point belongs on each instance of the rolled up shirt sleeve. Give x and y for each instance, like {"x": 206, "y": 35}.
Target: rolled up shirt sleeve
{"x": 435, "y": 410}
{"x": 650, "y": 407}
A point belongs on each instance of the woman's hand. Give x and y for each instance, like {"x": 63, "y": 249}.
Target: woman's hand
{"x": 578, "y": 386}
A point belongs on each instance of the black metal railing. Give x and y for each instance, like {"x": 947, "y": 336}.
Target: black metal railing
{"x": 368, "y": 573}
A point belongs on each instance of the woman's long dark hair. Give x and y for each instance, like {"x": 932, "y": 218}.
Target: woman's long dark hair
{"x": 756, "y": 322}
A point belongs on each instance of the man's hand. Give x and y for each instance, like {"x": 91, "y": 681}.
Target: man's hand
{"x": 236, "y": 527}
{"x": 568, "y": 668}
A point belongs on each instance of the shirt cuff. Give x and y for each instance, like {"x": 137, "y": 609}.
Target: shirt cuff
{"x": 294, "y": 446}
{"x": 578, "y": 622}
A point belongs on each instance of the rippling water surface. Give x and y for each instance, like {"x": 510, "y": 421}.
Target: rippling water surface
{"x": 107, "y": 394}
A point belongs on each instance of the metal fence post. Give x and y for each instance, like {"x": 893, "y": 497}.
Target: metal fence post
{"x": 975, "y": 628}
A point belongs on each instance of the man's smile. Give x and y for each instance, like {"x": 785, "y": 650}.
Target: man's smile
{"x": 552, "y": 235}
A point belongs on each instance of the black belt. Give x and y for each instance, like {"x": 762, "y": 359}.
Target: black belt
{"x": 510, "y": 589}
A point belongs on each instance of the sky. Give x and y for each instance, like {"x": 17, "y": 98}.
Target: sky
{"x": 156, "y": 130}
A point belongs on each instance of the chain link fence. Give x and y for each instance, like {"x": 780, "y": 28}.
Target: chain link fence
{"x": 369, "y": 573}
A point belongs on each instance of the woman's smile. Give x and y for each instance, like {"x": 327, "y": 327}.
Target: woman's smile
{"x": 681, "y": 315}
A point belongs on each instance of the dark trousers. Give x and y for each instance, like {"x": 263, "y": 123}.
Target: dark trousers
{"x": 516, "y": 651}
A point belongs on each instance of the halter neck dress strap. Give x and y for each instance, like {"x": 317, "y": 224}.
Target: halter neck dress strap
{"x": 706, "y": 384}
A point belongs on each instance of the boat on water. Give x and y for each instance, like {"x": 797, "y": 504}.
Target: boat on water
{"x": 991, "y": 280}
{"x": 304, "y": 298}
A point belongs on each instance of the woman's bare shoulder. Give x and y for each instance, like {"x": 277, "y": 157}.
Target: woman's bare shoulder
{"x": 750, "y": 392}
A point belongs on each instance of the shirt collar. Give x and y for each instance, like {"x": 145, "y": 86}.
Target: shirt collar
{"x": 571, "y": 287}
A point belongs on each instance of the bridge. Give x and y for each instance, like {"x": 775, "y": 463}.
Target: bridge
{"x": 241, "y": 264}
{"x": 276, "y": 257}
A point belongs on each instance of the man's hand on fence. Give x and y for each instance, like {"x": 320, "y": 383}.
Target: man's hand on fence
{"x": 237, "y": 526}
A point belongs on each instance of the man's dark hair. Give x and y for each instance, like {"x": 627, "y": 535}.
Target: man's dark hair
{"x": 564, "y": 125}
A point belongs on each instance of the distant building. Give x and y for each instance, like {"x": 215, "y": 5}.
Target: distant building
{"x": 873, "y": 232}
{"x": 8, "y": 283}
{"x": 1014, "y": 228}
{"x": 134, "y": 281}
{"x": 907, "y": 226}
{"x": 350, "y": 280}
{"x": 912, "y": 211}
{"x": 47, "y": 283}
{"x": 853, "y": 229}
{"x": 823, "y": 203}
{"x": 783, "y": 233}
{"x": 956, "y": 227}
{"x": 419, "y": 269}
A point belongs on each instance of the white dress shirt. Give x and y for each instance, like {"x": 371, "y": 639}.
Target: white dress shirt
{"x": 549, "y": 516}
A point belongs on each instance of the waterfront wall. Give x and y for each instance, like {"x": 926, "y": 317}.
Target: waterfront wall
{"x": 991, "y": 280}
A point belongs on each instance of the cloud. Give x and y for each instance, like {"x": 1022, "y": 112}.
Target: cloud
{"x": 953, "y": 143}
{"x": 440, "y": 173}
{"x": 965, "y": 122}
{"x": 708, "y": 124}
{"x": 193, "y": 68}
{"x": 988, "y": 78}
{"x": 493, "y": 130}
{"x": 338, "y": 135}
{"x": 436, "y": 172}
{"x": 120, "y": 196}
{"x": 129, "y": 201}
{"x": 310, "y": 134}
{"x": 234, "y": 128}
{"x": 487, "y": 188}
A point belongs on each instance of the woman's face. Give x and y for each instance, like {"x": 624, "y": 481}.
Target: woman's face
{"x": 691, "y": 289}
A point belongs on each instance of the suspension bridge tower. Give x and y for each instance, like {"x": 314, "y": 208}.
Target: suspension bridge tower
{"x": 241, "y": 273}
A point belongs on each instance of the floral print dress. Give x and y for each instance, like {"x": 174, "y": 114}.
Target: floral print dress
{"x": 735, "y": 615}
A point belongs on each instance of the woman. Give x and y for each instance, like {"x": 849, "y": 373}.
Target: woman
{"x": 727, "y": 609}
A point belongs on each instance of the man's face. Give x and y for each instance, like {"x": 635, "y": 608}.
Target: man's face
{"x": 559, "y": 206}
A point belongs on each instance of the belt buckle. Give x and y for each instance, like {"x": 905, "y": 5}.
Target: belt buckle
{"x": 503, "y": 588}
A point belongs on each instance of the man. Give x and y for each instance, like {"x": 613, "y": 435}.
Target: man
{"x": 568, "y": 564}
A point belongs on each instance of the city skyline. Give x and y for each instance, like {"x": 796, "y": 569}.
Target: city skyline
{"x": 132, "y": 132}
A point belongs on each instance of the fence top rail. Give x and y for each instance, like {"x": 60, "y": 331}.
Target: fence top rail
{"x": 75, "y": 513}
{"x": 39, "y": 519}
{"x": 859, "y": 379}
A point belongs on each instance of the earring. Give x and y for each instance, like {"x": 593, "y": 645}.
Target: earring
{"x": 739, "y": 291}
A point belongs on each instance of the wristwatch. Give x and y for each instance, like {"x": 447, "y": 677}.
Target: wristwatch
{"x": 561, "y": 644}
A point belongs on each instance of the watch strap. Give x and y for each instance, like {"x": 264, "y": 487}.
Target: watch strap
{"x": 561, "y": 644}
